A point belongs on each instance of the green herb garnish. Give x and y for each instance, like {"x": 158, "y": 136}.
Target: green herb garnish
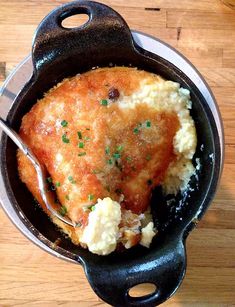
{"x": 119, "y": 148}
{"x": 64, "y": 123}
{"x": 79, "y": 135}
{"x": 70, "y": 178}
{"x": 136, "y": 130}
{"x": 88, "y": 208}
{"x": 92, "y": 207}
{"x": 63, "y": 210}
{"x": 82, "y": 154}
{"x": 148, "y": 123}
{"x": 148, "y": 157}
{"x": 64, "y": 138}
{"x": 128, "y": 159}
{"x": 90, "y": 197}
{"x": 104, "y": 102}
{"x": 117, "y": 155}
{"x": 81, "y": 145}
{"x": 107, "y": 150}
{"x": 57, "y": 184}
{"x": 96, "y": 171}
{"x": 110, "y": 162}
{"x": 67, "y": 197}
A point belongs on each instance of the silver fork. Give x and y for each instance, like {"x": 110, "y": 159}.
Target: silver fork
{"x": 41, "y": 175}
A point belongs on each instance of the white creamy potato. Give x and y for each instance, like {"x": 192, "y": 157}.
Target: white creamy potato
{"x": 101, "y": 233}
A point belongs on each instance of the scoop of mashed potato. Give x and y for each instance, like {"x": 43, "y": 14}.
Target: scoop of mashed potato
{"x": 101, "y": 233}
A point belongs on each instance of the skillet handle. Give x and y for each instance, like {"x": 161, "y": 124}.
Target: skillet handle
{"x": 104, "y": 29}
{"x": 111, "y": 279}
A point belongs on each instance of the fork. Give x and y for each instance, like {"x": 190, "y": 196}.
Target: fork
{"x": 41, "y": 174}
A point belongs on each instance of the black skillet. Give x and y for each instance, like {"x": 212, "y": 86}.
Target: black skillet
{"x": 58, "y": 53}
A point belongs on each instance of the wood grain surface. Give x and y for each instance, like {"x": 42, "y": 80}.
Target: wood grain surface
{"x": 204, "y": 31}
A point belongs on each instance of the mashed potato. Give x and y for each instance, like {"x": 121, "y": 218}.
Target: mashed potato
{"x": 101, "y": 233}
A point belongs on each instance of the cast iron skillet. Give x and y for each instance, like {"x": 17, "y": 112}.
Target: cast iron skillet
{"x": 58, "y": 53}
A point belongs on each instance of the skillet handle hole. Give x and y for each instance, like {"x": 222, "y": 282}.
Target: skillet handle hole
{"x": 142, "y": 290}
{"x": 75, "y": 21}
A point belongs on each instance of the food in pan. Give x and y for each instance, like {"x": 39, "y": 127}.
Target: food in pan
{"x": 107, "y": 138}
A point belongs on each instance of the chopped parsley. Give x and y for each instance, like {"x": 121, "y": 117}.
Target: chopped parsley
{"x": 96, "y": 171}
{"x": 79, "y": 135}
{"x": 57, "y": 184}
{"x": 148, "y": 157}
{"x": 128, "y": 159}
{"x": 136, "y": 130}
{"x": 65, "y": 139}
{"x": 67, "y": 197}
{"x": 63, "y": 210}
{"x": 92, "y": 207}
{"x": 119, "y": 148}
{"x": 81, "y": 145}
{"x": 82, "y": 154}
{"x": 70, "y": 178}
{"x": 117, "y": 155}
{"x": 110, "y": 162}
{"x": 107, "y": 150}
{"x": 88, "y": 208}
{"x": 148, "y": 123}
{"x": 64, "y": 123}
{"x": 90, "y": 197}
{"x": 104, "y": 102}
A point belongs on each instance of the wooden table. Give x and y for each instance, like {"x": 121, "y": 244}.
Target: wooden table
{"x": 204, "y": 31}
